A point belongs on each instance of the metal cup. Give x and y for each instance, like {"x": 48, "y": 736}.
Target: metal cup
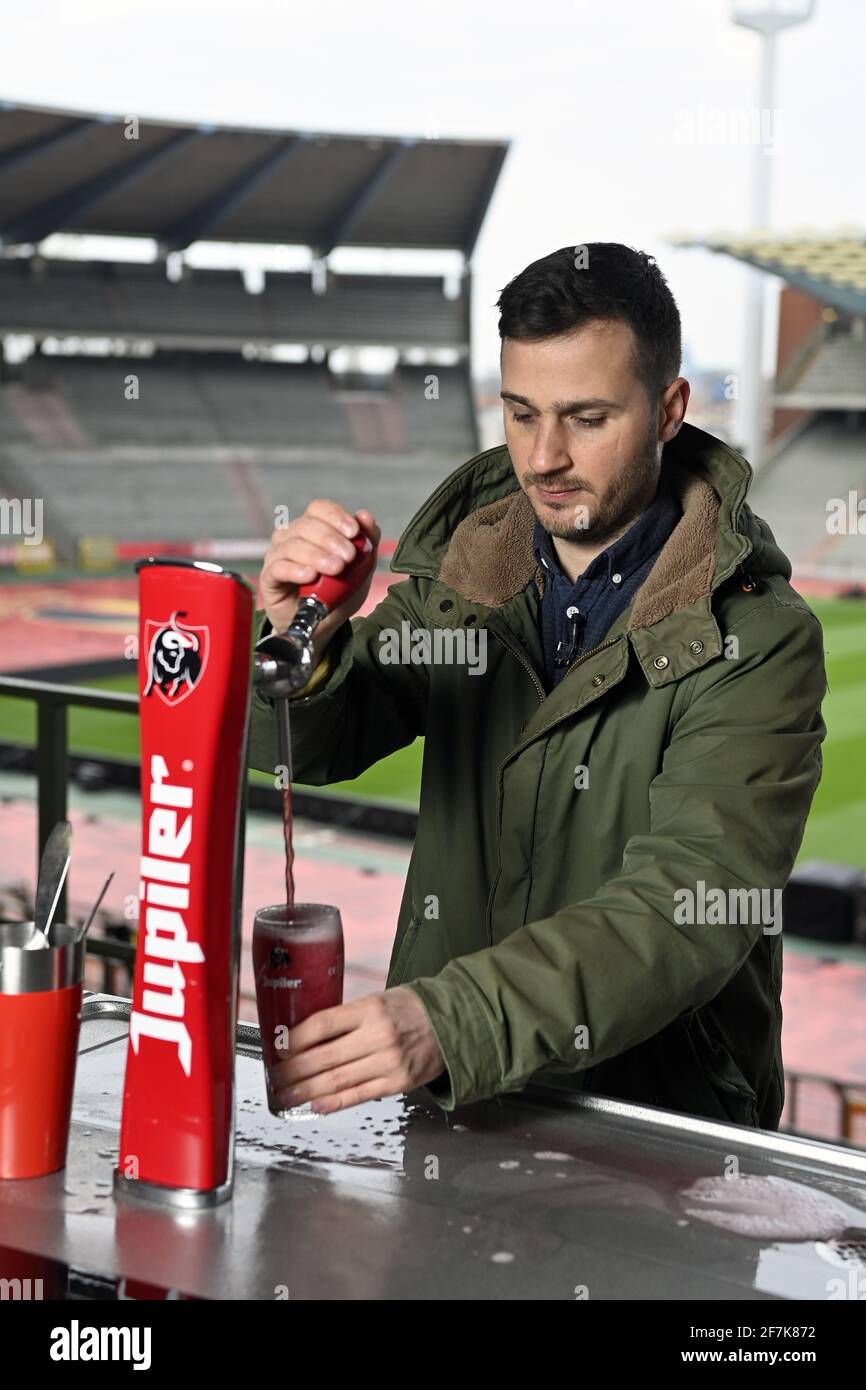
{"x": 40, "y": 1005}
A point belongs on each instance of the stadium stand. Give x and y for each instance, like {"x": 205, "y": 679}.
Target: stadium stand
{"x": 156, "y": 404}
{"x": 218, "y": 493}
{"x": 832, "y": 376}
{"x": 816, "y": 458}
{"x": 828, "y": 460}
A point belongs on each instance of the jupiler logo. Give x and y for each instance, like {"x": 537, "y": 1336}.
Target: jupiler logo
{"x": 176, "y": 657}
{"x": 165, "y": 902}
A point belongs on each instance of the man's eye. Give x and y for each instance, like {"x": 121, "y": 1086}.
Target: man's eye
{"x": 590, "y": 422}
{"x": 521, "y": 418}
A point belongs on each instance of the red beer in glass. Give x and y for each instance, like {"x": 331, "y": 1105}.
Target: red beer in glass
{"x": 298, "y": 966}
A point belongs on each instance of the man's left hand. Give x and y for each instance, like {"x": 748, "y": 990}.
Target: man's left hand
{"x": 381, "y": 1045}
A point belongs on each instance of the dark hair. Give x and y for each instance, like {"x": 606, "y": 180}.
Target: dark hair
{"x": 554, "y": 296}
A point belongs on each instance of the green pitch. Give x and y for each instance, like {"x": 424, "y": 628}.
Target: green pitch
{"x": 836, "y": 829}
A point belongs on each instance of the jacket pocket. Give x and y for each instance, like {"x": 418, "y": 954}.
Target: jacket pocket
{"x": 736, "y": 1098}
{"x": 404, "y": 955}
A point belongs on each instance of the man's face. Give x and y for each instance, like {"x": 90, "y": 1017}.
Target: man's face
{"x": 582, "y": 435}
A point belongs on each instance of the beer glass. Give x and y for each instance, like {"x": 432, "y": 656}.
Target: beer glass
{"x": 298, "y": 966}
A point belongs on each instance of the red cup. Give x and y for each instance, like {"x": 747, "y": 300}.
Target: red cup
{"x": 40, "y": 1007}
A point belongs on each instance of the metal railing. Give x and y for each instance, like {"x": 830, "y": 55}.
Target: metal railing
{"x": 367, "y": 815}
{"x": 834, "y": 1109}
{"x": 52, "y": 744}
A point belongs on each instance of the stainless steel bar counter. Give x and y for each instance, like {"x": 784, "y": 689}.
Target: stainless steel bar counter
{"x": 533, "y": 1196}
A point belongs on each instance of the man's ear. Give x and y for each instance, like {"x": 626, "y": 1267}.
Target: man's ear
{"x": 672, "y": 408}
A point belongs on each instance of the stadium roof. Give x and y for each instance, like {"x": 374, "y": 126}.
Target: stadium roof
{"x": 832, "y": 269}
{"x": 76, "y": 172}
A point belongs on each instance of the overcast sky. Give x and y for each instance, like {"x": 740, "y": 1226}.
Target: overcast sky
{"x": 604, "y": 103}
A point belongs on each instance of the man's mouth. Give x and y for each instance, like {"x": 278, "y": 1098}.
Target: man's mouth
{"x": 555, "y": 494}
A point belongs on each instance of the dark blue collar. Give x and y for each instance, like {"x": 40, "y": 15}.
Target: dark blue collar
{"x": 643, "y": 538}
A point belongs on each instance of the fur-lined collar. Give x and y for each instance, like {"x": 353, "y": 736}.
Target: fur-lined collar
{"x": 490, "y": 557}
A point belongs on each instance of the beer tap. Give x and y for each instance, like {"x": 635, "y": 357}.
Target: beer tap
{"x": 284, "y": 662}
{"x": 177, "y": 1122}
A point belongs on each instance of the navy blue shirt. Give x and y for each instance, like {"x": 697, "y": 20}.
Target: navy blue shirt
{"x": 605, "y": 588}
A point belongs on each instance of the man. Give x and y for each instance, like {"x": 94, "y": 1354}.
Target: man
{"x": 610, "y": 810}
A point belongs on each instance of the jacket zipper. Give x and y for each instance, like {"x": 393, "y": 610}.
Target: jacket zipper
{"x": 542, "y": 696}
{"x": 527, "y": 665}
{"x": 592, "y": 651}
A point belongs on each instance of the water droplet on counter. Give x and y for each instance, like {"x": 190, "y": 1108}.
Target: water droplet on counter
{"x": 502, "y": 1257}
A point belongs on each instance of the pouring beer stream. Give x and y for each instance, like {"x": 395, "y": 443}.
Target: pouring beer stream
{"x": 284, "y": 662}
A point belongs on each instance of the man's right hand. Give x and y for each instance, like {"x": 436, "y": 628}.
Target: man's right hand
{"x": 317, "y": 542}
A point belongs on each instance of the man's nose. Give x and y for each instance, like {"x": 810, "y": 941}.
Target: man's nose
{"x": 549, "y": 451}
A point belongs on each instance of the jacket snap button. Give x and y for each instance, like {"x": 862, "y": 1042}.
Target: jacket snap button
{"x": 598, "y": 680}
{"x": 446, "y": 605}
{"x": 696, "y": 647}
{"x": 660, "y": 663}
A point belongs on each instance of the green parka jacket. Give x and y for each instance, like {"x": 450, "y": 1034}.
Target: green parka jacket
{"x": 583, "y": 905}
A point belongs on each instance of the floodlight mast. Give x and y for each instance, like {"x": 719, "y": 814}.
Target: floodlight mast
{"x": 767, "y": 18}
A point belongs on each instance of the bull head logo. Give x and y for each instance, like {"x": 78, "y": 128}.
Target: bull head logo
{"x": 176, "y": 658}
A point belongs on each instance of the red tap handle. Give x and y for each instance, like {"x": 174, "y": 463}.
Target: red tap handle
{"x": 334, "y": 589}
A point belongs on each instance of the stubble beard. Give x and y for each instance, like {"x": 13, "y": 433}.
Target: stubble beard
{"x": 603, "y": 518}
